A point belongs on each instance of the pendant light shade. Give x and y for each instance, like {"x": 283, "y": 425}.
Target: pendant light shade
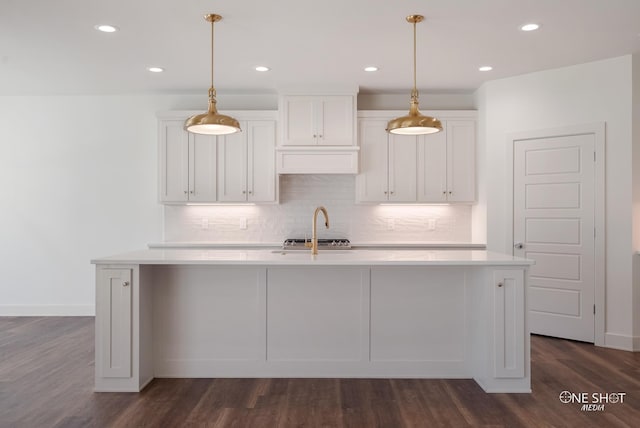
{"x": 212, "y": 122}
{"x": 414, "y": 123}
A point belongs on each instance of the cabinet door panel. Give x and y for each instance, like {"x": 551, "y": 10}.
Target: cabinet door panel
{"x": 336, "y": 118}
{"x": 261, "y": 165}
{"x": 461, "y": 160}
{"x": 232, "y": 165}
{"x": 202, "y": 168}
{"x": 371, "y": 182}
{"x": 432, "y": 167}
{"x": 173, "y": 165}
{"x": 300, "y": 121}
{"x": 114, "y": 323}
{"x": 509, "y": 310}
{"x": 402, "y": 168}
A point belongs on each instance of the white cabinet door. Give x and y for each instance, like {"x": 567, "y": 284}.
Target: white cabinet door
{"x": 508, "y": 323}
{"x": 432, "y": 167}
{"x": 232, "y": 166}
{"x": 202, "y": 168}
{"x": 402, "y": 168}
{"x": 372, "y": 181}
{"x": 246, "y": 163}
{"x": 446, "y": 163}
{"x": 173, "y": 167}
{"x": 335, "y": 119}
{"x": 318, "y": 120}
{"x": 187, "y": 164}
{"x": 114, "y": 323}
{"x": 300, "y": 120}
{"x": 387, "y": 164}
{"x": 461, "y": 160}
{"x": 261, "y": 165}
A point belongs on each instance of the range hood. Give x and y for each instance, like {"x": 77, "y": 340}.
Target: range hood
{"x": 317, "y": 160}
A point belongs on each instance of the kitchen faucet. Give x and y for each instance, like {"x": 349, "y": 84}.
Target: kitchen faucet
{"x": 314, "y": 229}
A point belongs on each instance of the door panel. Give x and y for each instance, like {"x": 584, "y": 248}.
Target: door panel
{"x": 554, "y": 219}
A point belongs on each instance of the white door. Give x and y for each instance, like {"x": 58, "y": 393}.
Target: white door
{"x": 461, "y": 160}
{"x": 261, "y": 164}
{"x": 173, "y": 161}
{"x": 335, "y": 120}
{"x": 300, "y": 121}
{"x": 202, "y": 168}
{"x": 553, "y": 224}
{"x": 371, "y": 182}
{"x": 402, "y": 168}
{"x": 432, "y": 167}
{"x": 232, "y": 166}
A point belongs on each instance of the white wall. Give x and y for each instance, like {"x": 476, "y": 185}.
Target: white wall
{"x": 78, "y": 181}
{"x": 587, "y": 93}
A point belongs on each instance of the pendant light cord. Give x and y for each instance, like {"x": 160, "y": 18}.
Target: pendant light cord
{"x": 212, "y": 22}
{"x": 414, "y": 93}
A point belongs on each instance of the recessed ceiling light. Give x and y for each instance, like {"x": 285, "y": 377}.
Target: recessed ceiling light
{"x": 156, "y": 69}
{"x": 105, "y": 28}
{"x": 262, "y": 68}
{"x": 485, "y": 68}
{"x": 371, "y": 68}
{"x": 530, "y": 27}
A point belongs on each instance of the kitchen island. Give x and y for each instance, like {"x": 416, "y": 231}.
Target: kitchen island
{"x": 271, "y": 313}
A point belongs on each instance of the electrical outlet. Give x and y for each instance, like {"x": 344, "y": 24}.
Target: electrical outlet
{"x": 243, "y": 223}
{"x": 205, "y": 223}
{"x": 431, "y": 224}
{"x": 391, "y": 224}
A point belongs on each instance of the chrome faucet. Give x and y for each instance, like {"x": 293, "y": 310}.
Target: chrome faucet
{"x": 314, "y": 229}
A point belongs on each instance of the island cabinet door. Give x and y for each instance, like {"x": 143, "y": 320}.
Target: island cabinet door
{"x": 508, "y": 323}
{"x": 113, "y": 323}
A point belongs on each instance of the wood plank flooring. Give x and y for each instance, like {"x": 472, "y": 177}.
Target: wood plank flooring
{"x": 46, "y": 380}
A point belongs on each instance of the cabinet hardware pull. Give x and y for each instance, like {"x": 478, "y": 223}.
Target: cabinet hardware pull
{"x": 500, "y": 284}
{"x": 244, "y": 191}
{"x": 315, "y": 136}
{"x": 392, "y": 192}
{"x": 250, "y": 192}
{"x": 185, "y": 192}
{"x": 191, "y": 191}
{"x": 320, "y": 136}
{"x": 450, "y": 192}
{"x": 385, "y": 192}
{"x": 125, "y": 284}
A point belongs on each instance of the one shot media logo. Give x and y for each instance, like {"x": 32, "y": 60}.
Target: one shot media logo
{"x": 592, "y": 401}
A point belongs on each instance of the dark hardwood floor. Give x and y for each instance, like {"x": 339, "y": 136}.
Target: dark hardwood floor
{"x": 46, "y": 380}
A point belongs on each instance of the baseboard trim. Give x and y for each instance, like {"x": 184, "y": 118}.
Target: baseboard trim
{"x": 47, "y": 310}
{"x": 622, "y": 342}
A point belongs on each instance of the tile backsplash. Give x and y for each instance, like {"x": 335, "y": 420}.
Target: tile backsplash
{"x": 299, "y": 196}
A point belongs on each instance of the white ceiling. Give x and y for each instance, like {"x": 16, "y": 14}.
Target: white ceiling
{"x": 51, "y": 47}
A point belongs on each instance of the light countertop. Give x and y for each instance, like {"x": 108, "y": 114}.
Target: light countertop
{"x": 356, "y": 257}
{"x": 355, "y": 245}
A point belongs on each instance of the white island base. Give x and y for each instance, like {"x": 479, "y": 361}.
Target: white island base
{"x": 170, "y": 315}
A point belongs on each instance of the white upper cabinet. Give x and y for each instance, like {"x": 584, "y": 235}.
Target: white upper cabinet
{"x": 318, "y": 120}
{"x": 461, "y": 160}
{"x": 246, "y": 164}
{"x": 187, "y": 164}
{"x": 447, "y": 162}
{"x": 387, "y": 164}
{"x": 198, "y": 168}
{"x": 434, "y": 168}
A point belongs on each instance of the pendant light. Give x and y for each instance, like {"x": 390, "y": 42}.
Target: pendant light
{"x": 414, "y": 123}
{"x": 212, "y": 122}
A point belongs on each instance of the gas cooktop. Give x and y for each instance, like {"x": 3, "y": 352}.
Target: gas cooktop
{"x": 323, "y": 244}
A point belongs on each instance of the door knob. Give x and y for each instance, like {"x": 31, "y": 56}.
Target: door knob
{"x": 518, "y": 245}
